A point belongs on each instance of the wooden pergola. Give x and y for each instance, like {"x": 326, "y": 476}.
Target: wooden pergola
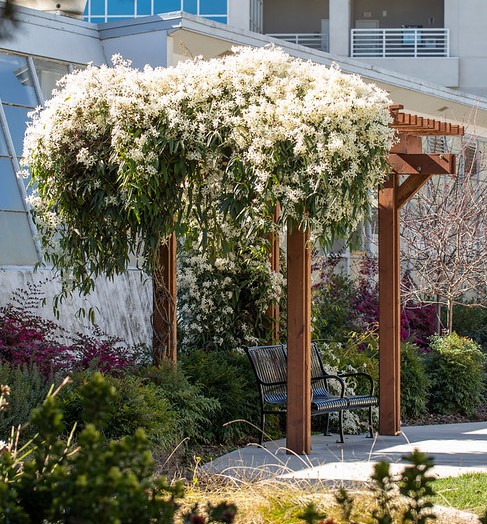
{"x": 406, "y": 158}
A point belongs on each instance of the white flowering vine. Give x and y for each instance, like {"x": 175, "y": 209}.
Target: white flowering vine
{"x": 121, "y": 157}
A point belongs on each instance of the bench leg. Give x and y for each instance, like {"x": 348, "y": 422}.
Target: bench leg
{"x": 371, "y": 429}
{"x": 326, "y": 432}
{"x": 340, "y": 424}
{"x": 262, "y": 423}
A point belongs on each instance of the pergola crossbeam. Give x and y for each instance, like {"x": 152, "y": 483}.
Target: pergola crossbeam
{"x": 422, "y": 164}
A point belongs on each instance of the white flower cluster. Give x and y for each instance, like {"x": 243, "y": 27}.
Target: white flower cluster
{"x": 120, "y": 155}
{"x": 222, "y": 302}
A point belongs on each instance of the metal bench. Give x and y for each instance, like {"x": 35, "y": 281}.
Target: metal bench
{"x": 328, "y": 392}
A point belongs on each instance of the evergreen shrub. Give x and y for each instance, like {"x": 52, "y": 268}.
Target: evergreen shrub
{"x": 456, "y": 369}
{"x": 28, "y": 388}
{"x": 161, "y": 401}
{"x": 228, "y": 377}
{"x": 414, "y": 382}
{"x": 471, "y": 321}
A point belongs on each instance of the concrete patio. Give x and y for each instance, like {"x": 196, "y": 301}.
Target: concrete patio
{"x": 456, "y": 449}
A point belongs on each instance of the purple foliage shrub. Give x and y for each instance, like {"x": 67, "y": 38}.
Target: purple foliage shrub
{"x": 359, "y": 304}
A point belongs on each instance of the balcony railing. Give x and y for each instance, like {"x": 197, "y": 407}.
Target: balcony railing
{"x": 314, "y": 40}
{"x": 404, "y": 42}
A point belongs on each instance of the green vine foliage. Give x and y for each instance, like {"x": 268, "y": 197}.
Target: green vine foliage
{"x": 121, "y": 158}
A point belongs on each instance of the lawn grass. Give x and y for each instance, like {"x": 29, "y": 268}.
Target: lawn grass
{"x": 271, "y": 501}
{"x": 467, "y": 492}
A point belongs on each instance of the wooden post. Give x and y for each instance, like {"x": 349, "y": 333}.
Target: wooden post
{"x": 164, "y": 304}
{"x": 298, "y": 434}
{"x": 391, "y": 198}
{"x": 389, "y": 310}
{"x": 273, "y": 311}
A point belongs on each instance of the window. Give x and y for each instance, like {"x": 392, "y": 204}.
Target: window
{"x": 24, "y": 84}
{"x": 99, "y": 11}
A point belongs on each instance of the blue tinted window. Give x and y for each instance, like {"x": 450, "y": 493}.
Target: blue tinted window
{"x": 97, "y": 7}
{"x": 16, "y": 84}
{"x": 97, "y": 20}
{"x": 3, "y": 144}
{"x": 143, "y": 7}
{"x": 191, "y": 6}
{"x": 16, "y": 243}
{"x": 17, "y": 119}
{"x": 213, "y": 7}
{"x": 166, "y": 6}
{"x": 9, "y": 195}
{"x": 121, "y": 7}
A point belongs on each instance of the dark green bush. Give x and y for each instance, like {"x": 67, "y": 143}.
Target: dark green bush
{"x": 228, "y": 377}
{"x": 28, "y": 389}
{"x": 159, "y": 400}
{"x": 414, "y": 382}
{"x": 332, "y": 305}
{"x": 193, "y": 409}
{"x": 135, "y": 404}
{"x": 456, "y": 369}
{"x": 471, "y": 321}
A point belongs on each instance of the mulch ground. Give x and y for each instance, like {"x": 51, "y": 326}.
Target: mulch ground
{"x": 432, "y": 418}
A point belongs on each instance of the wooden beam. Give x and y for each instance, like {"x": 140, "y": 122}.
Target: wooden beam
{"x": 406, "y": 123}
{"x": 409, "y": 188}
{"x": 164, "y": 304}
{"x": 298, "y": 434}
{"x": 424, "y": 164}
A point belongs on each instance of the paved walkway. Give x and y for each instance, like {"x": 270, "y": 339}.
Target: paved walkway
{"x": 456, "y": 449}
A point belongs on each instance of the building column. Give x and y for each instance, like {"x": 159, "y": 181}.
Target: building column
{"x": 340, "y": 26}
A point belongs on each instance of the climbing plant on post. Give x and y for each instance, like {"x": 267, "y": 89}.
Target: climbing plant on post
{"x": 123, "y": 159}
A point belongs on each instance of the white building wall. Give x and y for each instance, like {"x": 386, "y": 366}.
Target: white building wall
{"x": 239, "y": 14}
{"x": 340, "y": 25}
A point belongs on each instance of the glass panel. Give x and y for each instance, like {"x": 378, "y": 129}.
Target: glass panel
{"x": 166, "y": 6}
{"x": 97, "y": 7}
{"x": 3, "y": 144}
{"x": 121, "y": 7}
{"x": 49, "y": 73}
{"x": 94, "y": 20}
{"x": 10, "y": 194}
{"x": 16, "y": 84}
{"x": 17, "y": 246}
{"x": 191, "y": 6}
{"x": 213, "y": 7}
{"x": 143, "y": 7}
{"x": 17, "y": 122}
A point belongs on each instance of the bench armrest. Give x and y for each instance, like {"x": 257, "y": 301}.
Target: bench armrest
{"x": 327, "y": 377}
{"x": 361, "y": 374}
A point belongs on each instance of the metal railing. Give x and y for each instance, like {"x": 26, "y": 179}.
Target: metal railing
{"x": 403, "y": 42}
{"x": 314, "y": 40}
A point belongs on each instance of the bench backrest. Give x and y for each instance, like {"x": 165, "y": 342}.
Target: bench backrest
{"x": 270, "y": 367}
